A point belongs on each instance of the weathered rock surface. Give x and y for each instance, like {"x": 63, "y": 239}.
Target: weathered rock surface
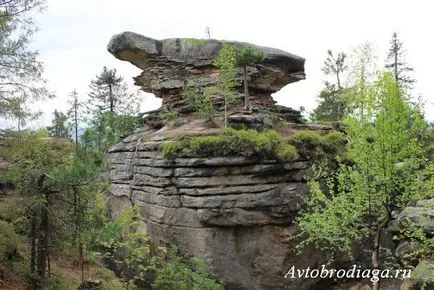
{"x": 421, "y": 215}
{"x": 235, "y": 213}
{"x": 174, "y": 63}
{"x": 171, "y": 65}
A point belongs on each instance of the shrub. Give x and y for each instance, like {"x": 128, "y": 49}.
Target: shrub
{"x": 9, "y": 240}
{"x": 316, "y": 145}
{"x": 308, "y": 139}
{"x": 170, "y": 150}
{"x": 201, "y": 103}
{"x": 174, "y": 274}
{"x": 334, "y": 142}
{"x": 169, "y": 117}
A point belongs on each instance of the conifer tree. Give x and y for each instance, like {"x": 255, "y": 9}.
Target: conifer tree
{"x": 59, "y": 127}
{"x": 113, "y": 110}
{"x": 397, "y": 64}
{"x": 333, "y": 105}
{"x": 247, "y": 56}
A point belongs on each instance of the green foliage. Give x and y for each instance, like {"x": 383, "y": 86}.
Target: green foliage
{"x": 316, "y": 145}
{"x": 20, "y": 71}
{"x": 333, "y": 105}
{"x": 106, "y": 129}
{"x": 227, "y": 64}
{"x": 194, "y": 42}
{"x": 356, "y": 201}
{"x": 109, "y": 92}
{"x": 174, "y": 274}
{"x": 170, "y": 150}
{"x": 112, "y": 109}
{"x": 59, "y": 127}
{"x": 169, "y": 117}
{"x": 247, "y": 55}
{"x": 201, "y": 103}
{"x": 248, "y": 143}
{"x": 9, "y": 240}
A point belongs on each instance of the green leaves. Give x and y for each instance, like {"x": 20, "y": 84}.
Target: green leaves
{"x": 201, "y": 103}
{"x": 175, "y": 274}
{"x": 247, "y": 55}
{"x": 231, "y": 142}
{"x": 20, "y": 71}
{"x": 227, "y": 64}
{"x": 387, "y": 156}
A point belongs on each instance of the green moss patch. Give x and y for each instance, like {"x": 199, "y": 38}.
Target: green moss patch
{"x": 314, "y": 144}
{"x": 268, "y": 144}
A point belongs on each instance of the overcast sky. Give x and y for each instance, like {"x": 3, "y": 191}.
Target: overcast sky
{"x": 74, "y": 35}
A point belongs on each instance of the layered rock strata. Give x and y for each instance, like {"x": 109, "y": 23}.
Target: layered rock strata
{"x": 234, "y": 212}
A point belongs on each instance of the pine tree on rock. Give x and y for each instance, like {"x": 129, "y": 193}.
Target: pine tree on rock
{"x": 397, "y": 64}
{"x": 247, "y": 56}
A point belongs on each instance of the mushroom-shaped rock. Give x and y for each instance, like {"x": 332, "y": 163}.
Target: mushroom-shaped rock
{"x": 179, "y": 62}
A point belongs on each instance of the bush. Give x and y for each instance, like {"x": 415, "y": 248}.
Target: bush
{"x": 170, "y": 150}
{"x": 169, "y": 117}
{"x": 308, "y": 139}
{"x": 174, "y": 274}
{"x": 201, "y": 103}
{"x": 248, "y": 143}
{"x": 314, "y": 144}
{"x": 9, "y": 240}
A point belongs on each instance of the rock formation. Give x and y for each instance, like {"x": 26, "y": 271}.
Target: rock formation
{"x": 170, "y": 65}
{"x": 236, "y": 213}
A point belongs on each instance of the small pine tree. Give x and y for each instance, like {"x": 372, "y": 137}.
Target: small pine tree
{"x": 247, "y": 56}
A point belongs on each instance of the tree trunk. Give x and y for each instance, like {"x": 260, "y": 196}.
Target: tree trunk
{"x": 396, "y": 66}
{"x": 376, "y": 257}
{"x": 80, "y": 249}
{"x": 76, "y": 124}
{"x": 47, "y": 247}
{"x": 246, "y": 89}
{"x": 112, "y": 105}
{"x": 42, "y": 242}
{"x": 226, "y": 113}
{"x": 33, "y": 234}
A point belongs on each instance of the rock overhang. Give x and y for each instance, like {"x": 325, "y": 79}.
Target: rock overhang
{"x": 189, "y": 62}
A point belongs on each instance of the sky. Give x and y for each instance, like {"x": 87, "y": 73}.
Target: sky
{"x": 73, "y": 37}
